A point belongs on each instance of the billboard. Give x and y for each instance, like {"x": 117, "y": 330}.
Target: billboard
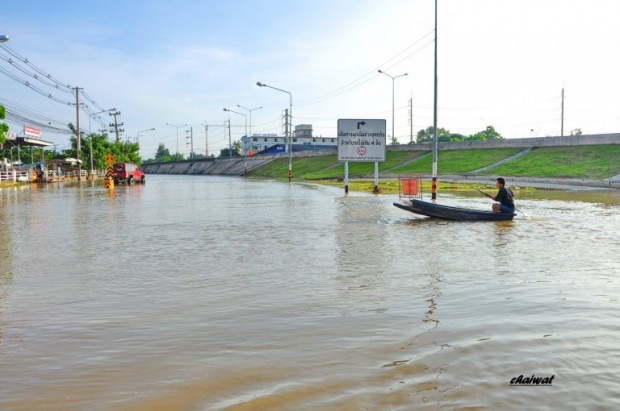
{"x": 31, "y": 131}
{"x": 361, "y": 140}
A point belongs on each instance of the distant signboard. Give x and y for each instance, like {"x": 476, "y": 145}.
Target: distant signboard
{"x": 32, "y": 131}
{"x": 361, "y": 140}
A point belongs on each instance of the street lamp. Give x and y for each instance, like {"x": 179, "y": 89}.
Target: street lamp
{"x": 91, "y": 138}
{"x": 246, "y": 138}
{"x": 393, "y": 78}
{"x": 290, "y": 126}
{"x": 241, "y": 114}
{"x": 142, "y": 131}
{"x": 250, "y": 110}
{"x": 3, "y": 38}
{"x": 177, "y": 127}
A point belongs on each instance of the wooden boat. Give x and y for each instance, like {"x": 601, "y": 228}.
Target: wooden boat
{"x": 452, "y": 213}
{"x": 408, "y": 187}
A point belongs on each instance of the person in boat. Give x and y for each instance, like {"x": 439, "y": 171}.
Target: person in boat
{"x": 505, "y": 203}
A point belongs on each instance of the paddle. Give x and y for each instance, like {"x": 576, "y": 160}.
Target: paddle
{"x": 486, "y": 194}
{"x": 493, "y": 198}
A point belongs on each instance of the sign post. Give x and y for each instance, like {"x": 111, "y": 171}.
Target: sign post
{"x": 361, "y": 140}
{"x": 108, "y": 182}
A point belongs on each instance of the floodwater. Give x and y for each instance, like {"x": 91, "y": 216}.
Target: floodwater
{"x": 219, "y": 293}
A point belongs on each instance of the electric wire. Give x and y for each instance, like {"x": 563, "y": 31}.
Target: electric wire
{"x": 46, "y": 79}
{"x": 371, "y": 74}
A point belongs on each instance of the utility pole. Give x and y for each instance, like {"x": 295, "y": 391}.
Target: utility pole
{"x": 411, "y": 119}
{"x": 191, "y": 141}
{"x": 286, "y": 129}
{"x": 206, "y": 139}
{"x": 229, "y": 141}
{"x": 562, "y": 125}
{"x": 116, "y": 125}
{"x": 77, "y": 130}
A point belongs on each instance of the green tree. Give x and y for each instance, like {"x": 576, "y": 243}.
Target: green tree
{"x": 487, "y": 134}
{"x": 177, "y": 157}
{"x": 225, "y": 152}
{"x": 426, "y": 136}
{"x": 457, "y": 137}
{"x": 237, "y": 148}
{"x": 123, "y": 151}
{"x": 4, "y": 127}
{"x": 576, "y": 132}
{"x": 162, "y": 154}
{"x": 126, "y": 152}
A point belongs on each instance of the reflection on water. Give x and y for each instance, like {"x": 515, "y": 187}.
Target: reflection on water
{"x": 195, "y": 292}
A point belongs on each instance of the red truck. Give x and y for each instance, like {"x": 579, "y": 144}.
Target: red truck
{"x": 128, "y": 173}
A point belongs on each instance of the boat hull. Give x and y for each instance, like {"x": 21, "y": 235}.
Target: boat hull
{"x": 452, "y": 213}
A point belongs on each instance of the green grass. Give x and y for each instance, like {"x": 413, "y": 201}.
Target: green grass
{"x": 277, "y": 168}
{"x": 593, "y": 162}
{"x": 392, "y": 159}
{"x": 458, "y": 161}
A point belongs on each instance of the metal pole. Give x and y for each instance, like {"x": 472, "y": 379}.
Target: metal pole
{"x": 77, "y": 131}
{"x": 206, "y": 139}
{"x": 250, "y": 110}
{"x": 290, "y": 133}
{"x": 393, "y": 137}
{"x": 562, "y": 126}
{"x": 411, "y": 119}
{"x": 177, "y": 127}
{"x": 290, "y": 140}
{"x": 346, "y": 177}
{"x": 393, "y": 78}
{"x": 91, "y": 156}
{"x": 246, "y": 121}
{"x": 434, "y": 182}
{"x": 229, "y": 141}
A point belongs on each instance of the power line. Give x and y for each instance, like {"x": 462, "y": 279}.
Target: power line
{"x": 45, "y": 78}
{"x": 27, "y": 84}
{"x": 372, "y": 73}
{"x": 38, "y": 70}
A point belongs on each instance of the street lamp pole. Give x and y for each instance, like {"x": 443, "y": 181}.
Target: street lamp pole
{"x": 241, "y": 114}
{"x": 250, "y": 110}
{"x": 245, "y": 168}
{"x": 3, "y": 38}
{"x": 290, "y": 126}
{"x": 393, "y": 78}
{"x": 177, "y": 127}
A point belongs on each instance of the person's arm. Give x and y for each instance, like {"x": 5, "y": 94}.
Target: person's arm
{"x": 500, "y": 195}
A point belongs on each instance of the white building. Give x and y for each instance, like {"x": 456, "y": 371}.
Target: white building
{"x": 302, "y": 140}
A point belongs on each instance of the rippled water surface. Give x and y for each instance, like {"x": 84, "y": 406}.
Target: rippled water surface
{"x": 211, "y": 293}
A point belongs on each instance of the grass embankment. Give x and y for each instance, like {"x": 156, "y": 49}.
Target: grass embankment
{"x": 592, "y": 162}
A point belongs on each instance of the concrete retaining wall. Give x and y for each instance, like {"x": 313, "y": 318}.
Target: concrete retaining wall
{"x": 584, "y": 140}
{"x": 232, "y": 166}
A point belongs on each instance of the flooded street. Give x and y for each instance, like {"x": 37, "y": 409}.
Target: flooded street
{"x": 218, "y": 293}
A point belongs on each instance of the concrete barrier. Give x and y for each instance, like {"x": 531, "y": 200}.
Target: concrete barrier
{"x": 565, "y": 141}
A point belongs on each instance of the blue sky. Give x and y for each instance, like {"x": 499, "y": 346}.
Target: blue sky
{"x": 501, "y": 63}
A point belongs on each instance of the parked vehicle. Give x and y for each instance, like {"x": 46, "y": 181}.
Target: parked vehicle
{"x": 128, "y": 173}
